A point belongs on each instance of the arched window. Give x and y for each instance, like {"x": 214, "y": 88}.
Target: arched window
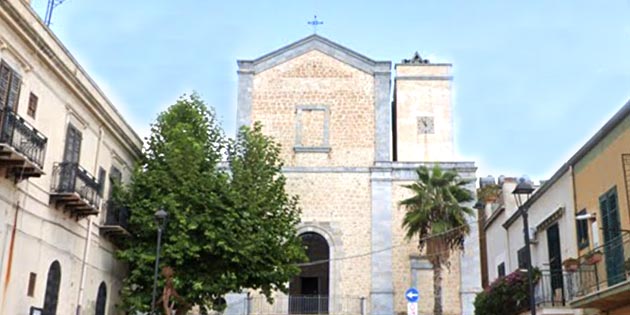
{"x": 309, "y": 290}
{"x": 52, "y": 289}
{"x": 101, "y": 299}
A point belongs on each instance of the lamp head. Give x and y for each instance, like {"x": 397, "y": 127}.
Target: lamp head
{"x": 479, "y": 205}
{"x": 522, "y": 191}
{"x": 160, "y": 215}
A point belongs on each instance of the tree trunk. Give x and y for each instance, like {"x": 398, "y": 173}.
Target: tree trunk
{"x": 437, "y": 287}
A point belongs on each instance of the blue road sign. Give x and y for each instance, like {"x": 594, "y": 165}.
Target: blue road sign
{"x": 412, "y": 295}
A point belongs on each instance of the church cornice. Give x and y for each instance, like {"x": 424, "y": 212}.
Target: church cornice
{"x": 310, "y": 43}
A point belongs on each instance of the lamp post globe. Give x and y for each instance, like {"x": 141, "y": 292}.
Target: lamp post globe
{"x": 521, "y": 193}
{"x": 160, "y": 216}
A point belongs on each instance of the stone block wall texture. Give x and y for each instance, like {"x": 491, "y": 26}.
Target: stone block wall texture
{"x": 346, "y": 217}
{"x": 402, "y": 268}
{"x": 317, "y": 79}
{"x": 423, "y": 91}
{"x": 336, "y": 184}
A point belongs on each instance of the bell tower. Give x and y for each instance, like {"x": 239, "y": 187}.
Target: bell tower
{"x": 421, "y": 110}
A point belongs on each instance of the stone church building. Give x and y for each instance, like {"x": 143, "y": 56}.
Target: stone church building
{"x": 350, "y": 141}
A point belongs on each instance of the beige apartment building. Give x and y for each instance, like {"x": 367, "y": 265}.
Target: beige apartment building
{"x": 62, "y": 144}
{"x": 579, "y": 224}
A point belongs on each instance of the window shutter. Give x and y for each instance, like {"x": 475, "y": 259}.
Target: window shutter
{"x": 73, "y": 145}
{"x": 5, "y": 77}
{"x": 14, "y": 91}
{"x": 115, "y": 177}
{"x": 101, "y": 181}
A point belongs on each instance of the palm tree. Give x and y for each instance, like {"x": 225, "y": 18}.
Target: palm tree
{"x": 434, "y": 213}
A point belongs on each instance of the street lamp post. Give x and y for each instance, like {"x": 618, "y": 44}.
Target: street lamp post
{"x": 160, "y": 219}
{"x": 521, "y": 193}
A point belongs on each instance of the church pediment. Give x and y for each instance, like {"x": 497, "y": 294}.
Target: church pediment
{"x": 321, "y": 44}
{"x": 315, "y": 68}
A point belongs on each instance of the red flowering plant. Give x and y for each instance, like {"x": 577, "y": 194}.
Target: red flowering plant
{"x": 507, "y": 295}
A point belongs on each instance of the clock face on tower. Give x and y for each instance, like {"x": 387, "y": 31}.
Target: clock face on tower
{"x": 425, "y": 125}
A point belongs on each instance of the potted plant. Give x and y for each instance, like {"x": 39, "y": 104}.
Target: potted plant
{"x": 593, "y": 257}
{"x": 489, "y": 193}
{"x": 571, "y": 264}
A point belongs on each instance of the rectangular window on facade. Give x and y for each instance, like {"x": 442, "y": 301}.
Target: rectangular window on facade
{"x": 501, "y": 270}
{"x": 312, "y": 128}
{"x": 32, "y": 105}
{"x": 72, "y": 149}
{"x": 522, "y": 258}
{"x": 32, "y": 279}
{"x": 115, "y": 177}
{"x": 10, "y": 83}
{"x": 582, "y": 231}
{"x": 101, "y": 181}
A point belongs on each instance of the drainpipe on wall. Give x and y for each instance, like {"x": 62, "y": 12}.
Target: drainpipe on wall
{"x": 7, "y": 276}
{"x": 86, "y": 254}
{"x": 88, "y": 238}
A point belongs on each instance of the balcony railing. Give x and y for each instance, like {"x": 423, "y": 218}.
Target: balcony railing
{"x": 551, "y": 289}
{"x": 602, "y": 275}
{"x": 23, "y": 147}
{"x": 75, "y": 189}
{"x": 116, "y": 219}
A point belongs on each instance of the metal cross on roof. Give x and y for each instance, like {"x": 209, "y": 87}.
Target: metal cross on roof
{"x": 315, "y": 23}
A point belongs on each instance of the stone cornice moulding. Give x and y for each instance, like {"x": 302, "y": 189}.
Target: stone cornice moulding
{"x": 76, "y": 117}
{"x": 5, "y": 45}
{"x": 318, "y": 43}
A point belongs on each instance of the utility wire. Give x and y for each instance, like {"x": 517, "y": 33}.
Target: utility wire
{"x": 322, "y": 261}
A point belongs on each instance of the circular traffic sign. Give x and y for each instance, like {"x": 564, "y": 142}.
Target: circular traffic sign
{"x": 412, "y": 295}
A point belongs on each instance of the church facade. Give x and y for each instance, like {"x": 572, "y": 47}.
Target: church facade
{"x": 350, "y": 140}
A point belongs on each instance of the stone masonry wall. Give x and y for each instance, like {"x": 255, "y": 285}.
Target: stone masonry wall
{"x": 345, "y": 217}
{"x": 403, "y": 277}
{"x": 315, "y": 79}
{"x": 423, "y": 91}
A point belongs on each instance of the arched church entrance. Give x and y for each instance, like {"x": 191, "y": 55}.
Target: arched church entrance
{"x": 308, "y": 292}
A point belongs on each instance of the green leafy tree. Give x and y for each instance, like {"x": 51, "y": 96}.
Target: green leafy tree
{"x": 227, "y": 229}
{"x": 435, "y": 214}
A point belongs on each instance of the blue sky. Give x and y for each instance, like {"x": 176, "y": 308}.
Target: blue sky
{"x": 533, "y": 79}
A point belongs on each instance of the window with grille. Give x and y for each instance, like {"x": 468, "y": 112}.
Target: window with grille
{"x": 32, "y": 105}
{"x": 101, "y": 299}
{"x": 32, "y": 279}
{"x": 51, "y": 299}
{"x": 582, "y": 231}
{"x": 522, "y": 258}
{"x": 501, "y": 270}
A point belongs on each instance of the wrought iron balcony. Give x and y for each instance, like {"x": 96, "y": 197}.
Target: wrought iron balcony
{"x": 116, "y": 220}
{"x": 602, "y": 279}
{"x": 74, "y": 190}
{"x": 551, "y": 290}
{"x": 22, "y": 147}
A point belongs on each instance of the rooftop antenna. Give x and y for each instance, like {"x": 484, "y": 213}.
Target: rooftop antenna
{"x": 52, "y": 4}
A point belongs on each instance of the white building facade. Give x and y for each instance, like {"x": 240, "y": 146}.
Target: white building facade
{"x": 62, "y": 144}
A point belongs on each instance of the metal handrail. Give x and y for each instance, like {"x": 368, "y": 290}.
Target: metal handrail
{"x": 593, "y": 276}
{"x": 70, "y": 177}
{"x": 23, "y": 137}
{"x": 117, "y": 215}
